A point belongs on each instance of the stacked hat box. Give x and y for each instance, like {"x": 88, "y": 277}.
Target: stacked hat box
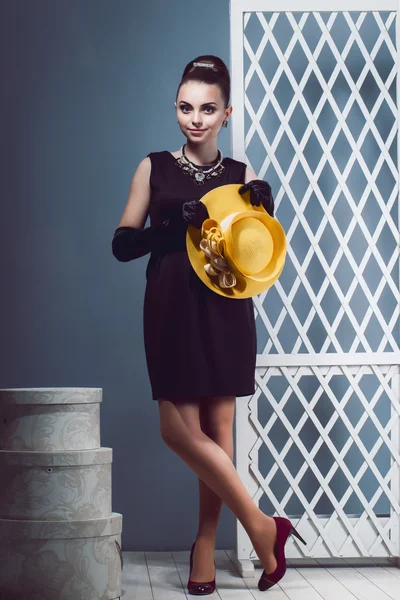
{"x": 59, "y": 538}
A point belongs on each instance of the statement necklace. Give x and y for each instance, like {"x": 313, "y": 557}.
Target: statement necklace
{"x": 198, "y": 174}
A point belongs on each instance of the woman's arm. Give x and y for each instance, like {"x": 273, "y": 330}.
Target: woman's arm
{"x": 138, "y": 202}
{"x": 131, "y": 240}
{"x": 250, "y": 175}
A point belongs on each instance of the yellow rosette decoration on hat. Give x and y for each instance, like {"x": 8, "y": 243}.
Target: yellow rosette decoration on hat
{"x": 213, "y": 246}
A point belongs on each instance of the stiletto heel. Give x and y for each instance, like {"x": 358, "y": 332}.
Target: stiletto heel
{"x": 199, "y": 588}
{"x": 284, "y": 529}
{"x": 296, "y": 534}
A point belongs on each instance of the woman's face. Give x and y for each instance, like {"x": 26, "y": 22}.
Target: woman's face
{"x": 201, "y": 111}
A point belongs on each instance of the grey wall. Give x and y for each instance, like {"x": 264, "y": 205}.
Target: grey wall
{"x": 89, "y": 91}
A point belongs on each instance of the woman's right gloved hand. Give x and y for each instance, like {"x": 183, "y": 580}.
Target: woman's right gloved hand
{"x": 130, "y": 242}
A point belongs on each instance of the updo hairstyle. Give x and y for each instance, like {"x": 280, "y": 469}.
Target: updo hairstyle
{"x": 218, "y": 74}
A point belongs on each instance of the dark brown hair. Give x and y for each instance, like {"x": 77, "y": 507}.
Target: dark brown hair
{"x": 218, "y": 74}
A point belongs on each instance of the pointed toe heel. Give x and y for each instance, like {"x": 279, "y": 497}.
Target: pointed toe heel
{"x": 198, "y": 588}
{"x": 284, "y": 529}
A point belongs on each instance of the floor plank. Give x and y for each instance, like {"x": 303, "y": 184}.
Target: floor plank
{"x": 166, "y": 583}
{"x": 395, "y": 571}
{"x": 164, "y": 576}
{"x": 358, "y": 584}
{"x": 384, "y": 580}
{"x": 135, "y": 579}
{"x": 297, "y": 588}
{"x": 325, "y": 584}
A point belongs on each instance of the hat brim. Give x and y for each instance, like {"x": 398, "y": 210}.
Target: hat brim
{"x": 221, "y": 202}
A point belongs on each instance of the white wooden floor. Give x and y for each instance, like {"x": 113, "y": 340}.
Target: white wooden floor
{"x": 164, "y": 575}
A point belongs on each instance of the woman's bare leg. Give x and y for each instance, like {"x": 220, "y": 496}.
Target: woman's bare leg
{"x": 216, "y": 421}
{"x": 180, "y": 428}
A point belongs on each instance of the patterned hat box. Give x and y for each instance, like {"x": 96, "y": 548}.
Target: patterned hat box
{"x": 61, "y": 560}
{"x": 55, "y": 486}
{"x": 47, "y": 419}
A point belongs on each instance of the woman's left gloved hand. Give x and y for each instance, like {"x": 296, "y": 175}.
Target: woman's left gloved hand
{"x": 260, "y": 193}
{"x": 194, "y": 212}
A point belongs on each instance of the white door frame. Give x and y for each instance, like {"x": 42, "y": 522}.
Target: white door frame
{"x": 337, "y": 535}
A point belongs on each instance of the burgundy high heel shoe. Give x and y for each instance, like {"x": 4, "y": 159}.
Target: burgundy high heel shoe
{"x": 199, "y": 588}
{"x": 284, "y": 529}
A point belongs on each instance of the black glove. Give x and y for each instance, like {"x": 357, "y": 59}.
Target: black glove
{"x": 260, "y": 193}
{"x": 194, "y": 213}
{"x": 130, "y": 242}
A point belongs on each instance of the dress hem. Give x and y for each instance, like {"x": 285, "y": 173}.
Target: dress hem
{"x": 184, "y": 397}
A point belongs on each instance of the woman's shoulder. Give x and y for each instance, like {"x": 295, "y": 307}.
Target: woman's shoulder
{"x": 235, "y": 166}
{"x": 233, "y": 161}
{"x": 160, "y": 159}
{"x": 239, "y": 170}
{"x": 160, "y": 154}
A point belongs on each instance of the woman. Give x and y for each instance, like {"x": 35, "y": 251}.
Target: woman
{"x": 200, "y": 346}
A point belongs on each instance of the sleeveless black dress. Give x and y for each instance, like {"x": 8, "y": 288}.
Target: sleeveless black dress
{"x": 198, "y": 343}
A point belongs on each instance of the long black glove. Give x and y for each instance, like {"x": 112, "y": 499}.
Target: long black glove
{"x": 260, "y": 193}
{"x": 130, "y": 242}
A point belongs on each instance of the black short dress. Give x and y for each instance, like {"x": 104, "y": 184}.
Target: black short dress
{"x": 198, "y": 343}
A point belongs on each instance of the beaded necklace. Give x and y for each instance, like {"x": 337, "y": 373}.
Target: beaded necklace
{"x": 197, "y": 173}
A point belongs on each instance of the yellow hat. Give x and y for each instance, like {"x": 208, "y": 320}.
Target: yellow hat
{"x": 240, "y": 250}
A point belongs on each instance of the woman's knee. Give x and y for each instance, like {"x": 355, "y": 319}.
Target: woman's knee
{"x": 168, "y": 426}
{"x": 224, "y": 441}
{"x": 179, "y": 422}
{"x": 217, "y": 417}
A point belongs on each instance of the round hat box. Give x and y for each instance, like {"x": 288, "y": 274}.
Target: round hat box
{"x": 54, "y": 486}
{"x": 48, "y": 419}
{"x": 61, "y": 560}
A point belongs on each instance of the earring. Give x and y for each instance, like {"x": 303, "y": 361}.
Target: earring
{"x": 225, "y": 123}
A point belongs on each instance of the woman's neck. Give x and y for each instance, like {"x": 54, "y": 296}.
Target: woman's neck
{"x": 201, "y": 155}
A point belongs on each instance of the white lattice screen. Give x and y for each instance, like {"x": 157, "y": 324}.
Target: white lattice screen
{"x": 314, "y": 91}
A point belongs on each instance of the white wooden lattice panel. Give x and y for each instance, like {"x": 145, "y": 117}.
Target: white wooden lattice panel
{"x": 315, "y": 114}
